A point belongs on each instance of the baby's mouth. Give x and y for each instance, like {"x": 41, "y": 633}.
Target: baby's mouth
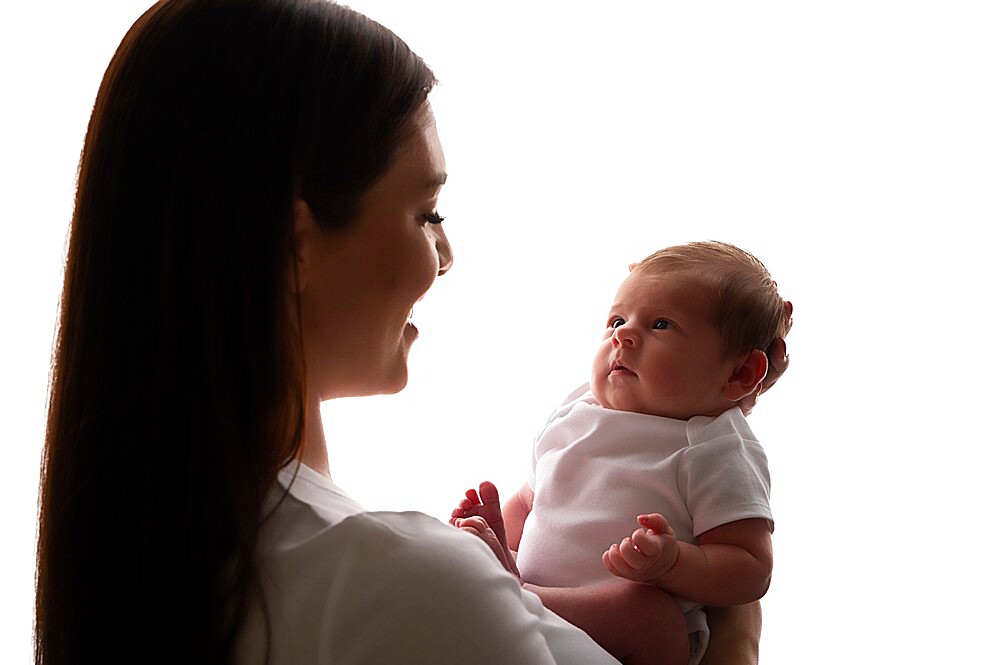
{"x": 621, "y": 368}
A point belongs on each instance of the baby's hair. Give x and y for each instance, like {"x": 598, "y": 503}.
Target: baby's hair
{"x": 749, "y": 313}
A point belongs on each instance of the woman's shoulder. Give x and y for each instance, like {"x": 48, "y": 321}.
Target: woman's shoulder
{"x": 409, "y": 539}
{"x": 405, "y": 587}
{"x": 411, "y": 551}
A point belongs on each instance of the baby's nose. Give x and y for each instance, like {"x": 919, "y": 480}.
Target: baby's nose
{"x": 623, "y": 336}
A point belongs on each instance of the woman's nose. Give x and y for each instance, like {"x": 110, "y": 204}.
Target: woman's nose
{"x": 445, "y": 257}
{"x": 623, "y": 336}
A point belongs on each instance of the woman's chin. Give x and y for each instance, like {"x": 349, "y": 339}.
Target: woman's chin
{"x": 398, "y": 376}
{"x": 395, "y": 385}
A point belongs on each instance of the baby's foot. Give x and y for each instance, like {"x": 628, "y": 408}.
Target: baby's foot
{"x": 485, "y": 504}
{"x": 491, "y": 509}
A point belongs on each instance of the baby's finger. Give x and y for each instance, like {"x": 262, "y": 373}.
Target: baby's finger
{"x": 633, "y": 557}
{"x": 656, "y": 522}
{"x": 606, "y": 560}
{"x": 649, "y": 545}
{"x": 472, "y": 497}
{"x": 614, "y": 562}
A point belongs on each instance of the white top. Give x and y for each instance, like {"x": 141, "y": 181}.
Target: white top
{"x": 346, "y": 586}
{"x": 595, "y": 469}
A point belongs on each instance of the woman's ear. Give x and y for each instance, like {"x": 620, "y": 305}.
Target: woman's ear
{"x": 747, "y": 375}
{"x": 303, "y": 230}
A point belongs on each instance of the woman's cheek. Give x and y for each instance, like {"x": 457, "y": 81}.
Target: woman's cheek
{"x": 431, "y": 262}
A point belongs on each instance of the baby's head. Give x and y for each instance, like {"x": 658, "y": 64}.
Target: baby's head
{"x": 687, "y": 333}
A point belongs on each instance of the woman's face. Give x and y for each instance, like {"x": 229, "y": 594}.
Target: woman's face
{"x": 357, "y": 287}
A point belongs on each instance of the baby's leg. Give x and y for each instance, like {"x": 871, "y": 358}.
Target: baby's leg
{"x": 636, "y": 623}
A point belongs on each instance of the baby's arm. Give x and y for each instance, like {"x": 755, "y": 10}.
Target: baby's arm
{"x": 730, "y": 565}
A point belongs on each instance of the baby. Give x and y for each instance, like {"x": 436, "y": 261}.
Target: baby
{"x": 656, "y": 436}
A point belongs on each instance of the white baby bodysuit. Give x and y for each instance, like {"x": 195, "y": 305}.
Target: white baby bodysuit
{"x": 595, "y": 469}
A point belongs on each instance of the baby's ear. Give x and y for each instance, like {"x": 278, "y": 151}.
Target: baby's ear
{"x": 748, "y": 372}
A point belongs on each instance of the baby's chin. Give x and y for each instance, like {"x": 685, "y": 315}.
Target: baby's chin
{"x": 625, "y": 402}
{"x": 619, "y": 402}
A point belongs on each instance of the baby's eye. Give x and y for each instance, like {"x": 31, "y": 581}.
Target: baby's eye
{"x": 616, "y": 321}
{"x": 433, "y": 218}
{"x": 662, "y": 324}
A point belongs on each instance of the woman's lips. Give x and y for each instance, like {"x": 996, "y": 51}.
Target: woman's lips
{"x": 410, "y": 329}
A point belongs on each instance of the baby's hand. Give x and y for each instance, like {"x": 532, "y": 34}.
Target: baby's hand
{"x": 647, "y": 555}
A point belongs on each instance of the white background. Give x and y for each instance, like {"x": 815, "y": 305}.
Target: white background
{"x": 853, "y": 146}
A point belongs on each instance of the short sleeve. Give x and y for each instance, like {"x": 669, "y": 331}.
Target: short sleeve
{"x": 725, "y": 479}
{"x": 410, "y": 590}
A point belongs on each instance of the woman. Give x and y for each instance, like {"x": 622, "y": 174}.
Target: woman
{"x": 255, "y": 218}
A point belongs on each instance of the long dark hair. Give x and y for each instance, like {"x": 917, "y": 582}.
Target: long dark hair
{"x": 178, "y": 389}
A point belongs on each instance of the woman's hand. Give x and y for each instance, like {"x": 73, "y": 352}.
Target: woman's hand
{"x": 777, "y": 363}
{"x": 478, "y": 527}
{"x": 735, "y": 635}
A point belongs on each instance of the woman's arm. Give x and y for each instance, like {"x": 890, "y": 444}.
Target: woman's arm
{"x": 735, "y": 635}
{"x": 412, "y": 591}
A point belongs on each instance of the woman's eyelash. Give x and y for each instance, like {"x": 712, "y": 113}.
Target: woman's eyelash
{"x": 433, "y": 218}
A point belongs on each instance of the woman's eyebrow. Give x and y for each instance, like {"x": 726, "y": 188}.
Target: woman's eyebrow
{"x": 437, "y": 181}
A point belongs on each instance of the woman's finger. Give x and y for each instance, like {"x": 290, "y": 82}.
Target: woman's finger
{"x": 777, "y": 363}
